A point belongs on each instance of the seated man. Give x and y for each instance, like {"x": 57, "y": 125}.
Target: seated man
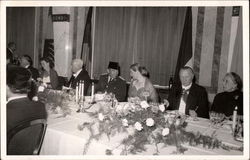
{"x": 189, "y": 96}
{"x": 79, "y": 74}
{"x": 19, "y": 107}
{"x": 27, "y": 63}
{"x": 112, "y": 83}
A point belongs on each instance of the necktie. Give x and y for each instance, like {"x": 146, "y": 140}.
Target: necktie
{"x": 185, "y": 94}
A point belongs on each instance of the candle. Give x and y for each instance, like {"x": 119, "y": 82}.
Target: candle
{"x": 82, "y": 88}
{"x": 77, "y": 92}
{"x": 92, "y": 90}
{"x": 234, "y": 119}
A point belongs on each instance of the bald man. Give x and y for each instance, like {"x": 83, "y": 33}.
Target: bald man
{"x": 79, "y": 74}
{"x": 189, "y": 96}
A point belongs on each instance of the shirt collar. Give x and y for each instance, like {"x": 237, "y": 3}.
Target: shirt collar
{"x": 16, "y": 97}
{"x": 27, "y": 66}
{"x": 77, "y": 73}
{"x": 187, "y": 87}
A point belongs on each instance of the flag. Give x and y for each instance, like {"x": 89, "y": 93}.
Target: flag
{"x": 185, "y": 52}
{"x": 86, "y": 52}
{"x": 48, "y": 51}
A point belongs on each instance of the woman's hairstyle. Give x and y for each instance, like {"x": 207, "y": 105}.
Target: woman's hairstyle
{"x": 46, "y": 59}
{"x": 136, "y": 67}
{"x": 236, "y": 79}
{"x": 18, "y": 79}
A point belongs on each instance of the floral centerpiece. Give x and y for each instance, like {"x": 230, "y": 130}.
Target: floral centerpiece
{"x": 146, "y": 124}
{"x": 57, "y": 102}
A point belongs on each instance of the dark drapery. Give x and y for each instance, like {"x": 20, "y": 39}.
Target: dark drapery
{"x": 148, "y": 35}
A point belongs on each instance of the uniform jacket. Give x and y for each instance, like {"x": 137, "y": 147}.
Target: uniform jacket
{"x": 197, "y": 97}
{"x": 117, "y": 86}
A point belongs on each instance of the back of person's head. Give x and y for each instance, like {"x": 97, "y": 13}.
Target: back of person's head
{"x": 236, "y": 79}
{"x": 136, "y": 67}
{"x": 18, "y": 79}
{"x": 28, "y": 58}
{"x": 48, "y": 60}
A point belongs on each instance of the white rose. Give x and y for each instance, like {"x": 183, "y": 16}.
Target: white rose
{"x": 41, "y": 88}
{"x": 125, "y": 122}
{"x": 35, "y": 98}
{"x": 119, "y": 108}
{"x": 100, "y": 116}
{"x": 162, "y": 107}
{"x": 138, "y": 126}
{"x": 150, "y": 122}
{"x": 144, "y": 104}
{"x": 165, "y": 131}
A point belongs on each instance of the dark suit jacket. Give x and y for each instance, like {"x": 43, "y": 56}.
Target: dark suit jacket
{"x": 23, "y": 109}
{"x": 197, "y": 97}
{"x": 117, "y": 86}
{"x": 83, "y": 76}
{"x": 34, "y": 72}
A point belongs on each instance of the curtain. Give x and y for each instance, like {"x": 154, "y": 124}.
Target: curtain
{"x": 148, "y": 35}
{"x": 237, "y": 60}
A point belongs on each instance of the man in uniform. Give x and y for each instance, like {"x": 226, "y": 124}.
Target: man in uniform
{"x": 112, "y": 83}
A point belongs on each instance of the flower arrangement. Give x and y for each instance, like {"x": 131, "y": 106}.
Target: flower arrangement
{"x": 57, "y": 102}
{"x": 147, "y": 124}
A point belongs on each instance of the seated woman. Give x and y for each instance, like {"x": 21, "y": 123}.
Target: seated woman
{"x": 232, "y": 96}
{"x": 48, "y": 74}
{"x": 140, "y": 85}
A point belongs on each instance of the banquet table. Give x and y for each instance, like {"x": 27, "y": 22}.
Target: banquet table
{"x": 64, "y": 138}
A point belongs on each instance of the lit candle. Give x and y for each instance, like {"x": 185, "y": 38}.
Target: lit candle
{"x": 77, "y": 92}
{"x": 234, "y": 119}
{"x": 92, "y": 90}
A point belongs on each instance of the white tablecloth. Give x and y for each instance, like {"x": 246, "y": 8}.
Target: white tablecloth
{"x": 63, "y": 138}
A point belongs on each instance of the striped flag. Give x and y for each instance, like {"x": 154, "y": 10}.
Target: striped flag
{"x": 185, "y": 52}
{"x": 48, "y": 51}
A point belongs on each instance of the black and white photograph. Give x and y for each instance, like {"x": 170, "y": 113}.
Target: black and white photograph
{"x": 124, "y": 80}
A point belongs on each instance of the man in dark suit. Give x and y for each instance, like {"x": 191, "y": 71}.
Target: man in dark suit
{"x": 19, "y": 107}
{"x": 112, "y": 83}
{"x": 189, "y": 97}
{"x": 79, "y": 74}
{"x": 27, "y": 63}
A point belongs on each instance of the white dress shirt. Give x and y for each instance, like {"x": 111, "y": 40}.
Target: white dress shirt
{"x": 182, "y": 106}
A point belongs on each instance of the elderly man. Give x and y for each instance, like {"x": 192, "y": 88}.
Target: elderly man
{"x": 189, "y": 97}
{"x": 112, "y": 83}
{"x": 27, "y": 63}
{"x": 79, "y": 74}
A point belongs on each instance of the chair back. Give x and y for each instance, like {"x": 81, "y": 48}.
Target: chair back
{"x": 26, "y": 138}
